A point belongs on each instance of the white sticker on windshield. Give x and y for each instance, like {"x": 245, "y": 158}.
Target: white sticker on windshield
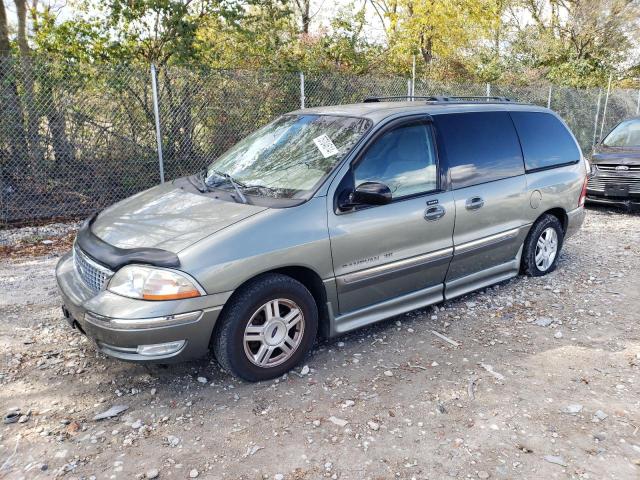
{"x": 325, "y": 145}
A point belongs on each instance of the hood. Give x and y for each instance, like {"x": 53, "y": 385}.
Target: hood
{"x": 167, "y": 217}
{"x": 616, "y": 155}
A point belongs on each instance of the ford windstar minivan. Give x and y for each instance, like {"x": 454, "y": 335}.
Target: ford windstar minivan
{"x": 323, "y": 221}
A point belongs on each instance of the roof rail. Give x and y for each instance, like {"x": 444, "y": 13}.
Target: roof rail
{"x": 397, "y": 97}
{"x": 477, "y": 98}
{"x": 440, "y": 98}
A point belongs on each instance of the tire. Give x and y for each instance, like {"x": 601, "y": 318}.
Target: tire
{"x": 546, "y": 226}
{"x": 264, "y": 310}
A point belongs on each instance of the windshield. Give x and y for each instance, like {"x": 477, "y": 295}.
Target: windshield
{"x": 626, "y": 134}
{"x": 287, "y": 158}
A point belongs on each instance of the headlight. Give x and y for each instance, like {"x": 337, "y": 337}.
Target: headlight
{"x": 149, "y": 283}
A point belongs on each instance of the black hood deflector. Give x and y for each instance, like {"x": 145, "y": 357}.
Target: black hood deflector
{"x": 115, "y": 257}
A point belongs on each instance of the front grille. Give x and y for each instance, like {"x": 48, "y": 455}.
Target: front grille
{"x": 612, "y": 168}
{"x": 607, "y": 175}
{"x": 94, "y": 275}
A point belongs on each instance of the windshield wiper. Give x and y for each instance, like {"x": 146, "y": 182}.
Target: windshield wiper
{"x": 233, "y": 183}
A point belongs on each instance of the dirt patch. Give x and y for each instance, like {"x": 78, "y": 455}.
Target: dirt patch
{"x": 37, "y": 246}
{"x": 544, "y": 384}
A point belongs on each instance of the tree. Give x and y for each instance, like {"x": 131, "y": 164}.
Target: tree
{"x": 435, "y": 28}
{"x": 576, "y": 42}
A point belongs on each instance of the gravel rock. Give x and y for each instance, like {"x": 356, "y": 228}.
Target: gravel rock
{"x": 338, "y": 421}
{"x": 599, "y": 416}
{"x": 555, "y": 459}
{"x": 543, "y": 321}
{"x": 153, "y": 473}
{"x": 375, "y": 426}
{"x": 572, "y": 409}
{"x": 112, "y": 412}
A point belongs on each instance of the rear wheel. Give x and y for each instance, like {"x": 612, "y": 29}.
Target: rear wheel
{"x": 267, "y": 328}
{"x": 542, "y": 246}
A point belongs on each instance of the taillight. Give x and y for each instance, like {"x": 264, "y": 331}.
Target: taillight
{"x": 583, "y": 194}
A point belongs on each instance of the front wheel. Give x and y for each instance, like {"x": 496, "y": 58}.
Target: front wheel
{"x": 267, "y": 328}
{"x": 542, "y": 246}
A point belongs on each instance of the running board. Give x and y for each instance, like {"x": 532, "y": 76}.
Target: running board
{"x": 389, "y": 308}
{"x": 484, "y": 278}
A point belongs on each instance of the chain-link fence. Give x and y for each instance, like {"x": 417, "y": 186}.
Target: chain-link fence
{"x": 76, "y": 139}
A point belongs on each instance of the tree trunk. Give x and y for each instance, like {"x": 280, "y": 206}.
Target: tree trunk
{"x": 63, "y": 150}
{"x": 14, "y": 159}
{"x": 304, "y": 9}
{"x": 426, "y": 49}
{"x": 33, "y": 118}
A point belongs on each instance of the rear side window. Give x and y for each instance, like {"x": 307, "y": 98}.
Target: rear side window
{"x": 546, "y": 142}
{"x": 479, "y": 147}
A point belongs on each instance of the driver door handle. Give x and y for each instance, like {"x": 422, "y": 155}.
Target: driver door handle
{"x": 435, "y": 212}
{"x": 474, "y": 203}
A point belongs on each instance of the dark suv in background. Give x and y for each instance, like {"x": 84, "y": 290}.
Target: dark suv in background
{"x": 616, "y": 167}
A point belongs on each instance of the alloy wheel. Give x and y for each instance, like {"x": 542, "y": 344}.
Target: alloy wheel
{"x": 546, "y": 249}
{"x": 273, "y": 333}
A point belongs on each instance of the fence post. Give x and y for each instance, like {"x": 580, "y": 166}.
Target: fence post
{"x": 413, "y": 78}
{"x": 549, "y": 97}
{"x": 488, "y": 89}
{"x": 595, "y": 125}
{"x": 408, "y": 87}
{"x": 156, "y": 112}
{"x": 604, "y": 110}
{"x": 302, "y": 97}
{"x": 638, "y": 104}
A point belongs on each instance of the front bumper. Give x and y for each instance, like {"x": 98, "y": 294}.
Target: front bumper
{"x": 139, "y": 330}
{"x": 598, "y": 198}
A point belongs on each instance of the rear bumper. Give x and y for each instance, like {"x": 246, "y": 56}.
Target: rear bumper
{"x": 575, "y": 219}
{"x": 138, "y": 330}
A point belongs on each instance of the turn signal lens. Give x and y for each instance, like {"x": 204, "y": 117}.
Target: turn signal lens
{"x": 149, "y": 283}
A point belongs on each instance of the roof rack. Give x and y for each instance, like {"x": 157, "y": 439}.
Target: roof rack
{"x": 396, "y": 97}
{"x": 438, "y": 98}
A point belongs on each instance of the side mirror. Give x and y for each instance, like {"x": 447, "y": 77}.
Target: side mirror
{"x": 371, "y": 193}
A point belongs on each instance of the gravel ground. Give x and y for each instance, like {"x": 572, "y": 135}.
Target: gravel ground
{"x": 545, "y": 383}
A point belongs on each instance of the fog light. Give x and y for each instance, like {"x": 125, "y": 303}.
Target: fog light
{"x": 160, "y": 348}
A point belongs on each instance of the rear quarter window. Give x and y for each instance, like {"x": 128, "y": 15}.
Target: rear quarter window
{"x": 546, "y": 142}
{"x": 479, "y": 147}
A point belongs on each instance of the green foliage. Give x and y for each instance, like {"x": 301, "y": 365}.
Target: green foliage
{"x": 510, "y": 41}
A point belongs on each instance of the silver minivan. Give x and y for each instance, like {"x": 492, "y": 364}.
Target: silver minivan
{"x": 321, "y": 222}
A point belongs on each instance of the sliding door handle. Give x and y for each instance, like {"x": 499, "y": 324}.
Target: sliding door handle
{"x": 474, "y": 203}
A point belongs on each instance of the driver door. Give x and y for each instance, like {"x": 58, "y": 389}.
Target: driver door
{"x": 385, "y": 251}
